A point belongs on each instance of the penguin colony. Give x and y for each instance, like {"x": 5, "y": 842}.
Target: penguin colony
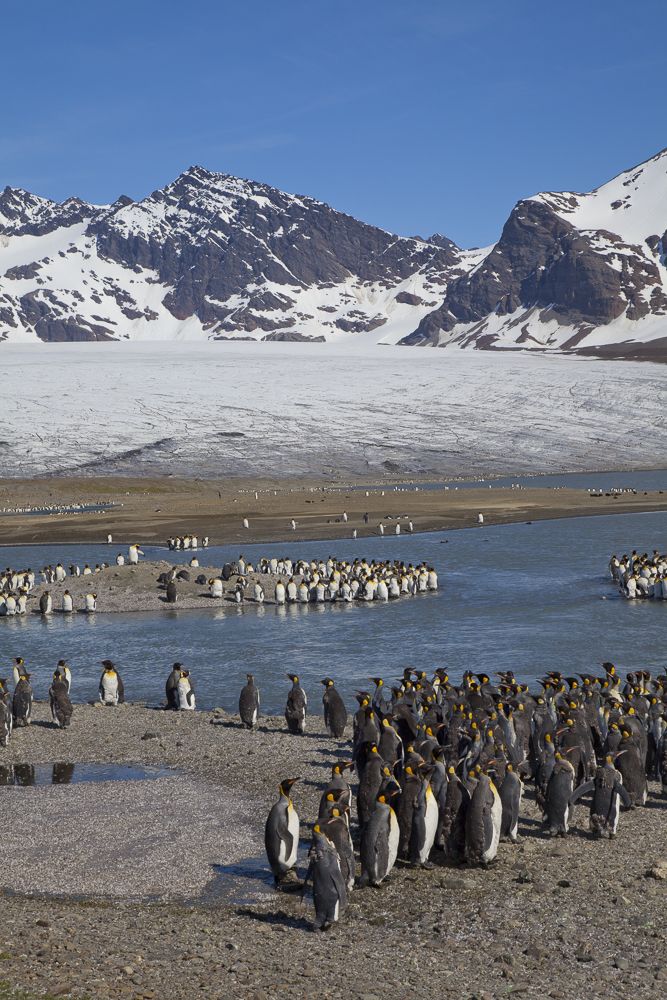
{"x": 640, "y": 576}
{"x": 16, "y": 587}
{"x": 317, "y": 581}
{"x": 441, "y": 768}
{"x": 16, "y": 707}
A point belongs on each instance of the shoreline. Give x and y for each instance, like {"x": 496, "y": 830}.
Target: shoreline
{"x": 150, "y": 510}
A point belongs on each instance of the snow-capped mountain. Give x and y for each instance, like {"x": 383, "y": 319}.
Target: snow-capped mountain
{"x": 582, "y": 272}
{"x": 213, "y": 257}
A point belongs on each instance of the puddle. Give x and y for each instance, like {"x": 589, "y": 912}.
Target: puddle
{"x": 75, "y": 774}
{"x": 251, "y": 880}
{"x": 244, "y": 882}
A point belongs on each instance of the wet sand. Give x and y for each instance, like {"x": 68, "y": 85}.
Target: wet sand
{"x": 550, "y": 918}
{"x": 151, "y": 510}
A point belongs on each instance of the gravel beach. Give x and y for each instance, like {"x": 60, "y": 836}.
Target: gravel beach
{"x": 563, "y": 919}
{"x": 135, "y": 588}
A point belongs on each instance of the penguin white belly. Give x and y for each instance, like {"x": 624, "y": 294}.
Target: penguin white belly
{"x": 496, "y": 820}
{"x": 293, "y": 827}
{"x": 614, "y": 813}
{"x": 431, "y": 825}
{"x": 110, "y": 688}
{"x": 393, "y": 840}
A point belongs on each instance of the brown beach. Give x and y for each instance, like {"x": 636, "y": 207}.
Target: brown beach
{"x": 150, "y": 510}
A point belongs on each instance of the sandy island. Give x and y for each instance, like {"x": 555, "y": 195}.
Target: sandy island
{"x": 151, "y": 510}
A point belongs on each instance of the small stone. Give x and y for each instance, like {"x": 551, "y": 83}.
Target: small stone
{"x": 42, "y": 923}
{"x": 621, "y": 963}
{"x": 128, "y": 970}
{"x": 584, "y": 953}
{"x": 658, "y": 871}
{"x": 564, "y": 883}
{"x": 151, "y": 736}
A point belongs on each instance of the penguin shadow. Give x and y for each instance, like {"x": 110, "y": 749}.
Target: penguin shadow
{"x": 656, "y": 803}
{"x": 44, "y": 724}
{"x": 276, "y": 918}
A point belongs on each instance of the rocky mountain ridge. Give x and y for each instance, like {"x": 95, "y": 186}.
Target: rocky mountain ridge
{"x": 211, "y": 256}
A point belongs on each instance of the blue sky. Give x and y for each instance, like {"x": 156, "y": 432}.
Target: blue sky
{"x": 418, "y": 116}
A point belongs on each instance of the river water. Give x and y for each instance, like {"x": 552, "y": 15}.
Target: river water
{"x": 527, "y": 597}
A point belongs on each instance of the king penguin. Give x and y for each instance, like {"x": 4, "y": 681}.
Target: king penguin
{"x": 59, "y": 701}
{"x": 511, "y": 792}
{"x": 249, "y": 703}
{"x": 557, "y": 799}
{"x": 329, "y": 888}
{"x": 379, "y": 843}
{"x": 112, "y": 691}
{"x": 281, "y": 834}
{"x": 335, "y": 713}
{"x": 424, "y": 823}
{"x": 608, "y": 793}
{"x": 295, "y": 709}
{"x": 171, "y": 687}
{"x": 22, "y": 701}
{"x": 483, "y": 821}
{"x": 186, "y": 693}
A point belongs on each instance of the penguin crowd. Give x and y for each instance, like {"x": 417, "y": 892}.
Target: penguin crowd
{"x": 640, "y": 576}
{"x": 179, "y": 542}
{"x": 441, "y": 770}
{"x": 325, "y": 580}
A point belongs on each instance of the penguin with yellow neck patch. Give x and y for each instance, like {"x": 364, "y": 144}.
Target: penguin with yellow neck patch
{"x": 281, "y": 834}
{"x": 296, "y": 707}
{"x": 112, "y": 690}
{"x": 483, "y": 822}
{"x": 329, "y": 888}
{"x": 379, "y": 843}
{"x": 335, "y": 713}
{"x": 22, "y": 701}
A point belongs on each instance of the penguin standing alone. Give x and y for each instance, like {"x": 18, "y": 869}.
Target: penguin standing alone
{"x": 59, "y": 702}
{"x": 295, "y": 709}
{"x": 281, "y": 834}
{"x": 112, "y": 691}
{"x": 249, "y": 703}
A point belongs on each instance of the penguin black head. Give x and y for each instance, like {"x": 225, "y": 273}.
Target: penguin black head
{"x": 108, "y": 664}
{"x": 294, "y": 678}
{"x": 327, "y": 682}
{"x": 286, "y": 785}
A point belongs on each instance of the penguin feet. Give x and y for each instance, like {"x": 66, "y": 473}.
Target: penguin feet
{"x": 427, "y": 866}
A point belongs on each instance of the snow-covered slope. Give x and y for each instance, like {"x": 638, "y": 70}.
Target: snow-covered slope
{"x": 213, "y": 257}
{"x": 210, "y": 257}
{"x": 581, "y": 272}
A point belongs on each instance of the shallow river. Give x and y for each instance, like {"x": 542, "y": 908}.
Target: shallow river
{"x": 526, "y": 596}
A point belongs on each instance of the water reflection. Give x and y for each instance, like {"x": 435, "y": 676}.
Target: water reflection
{"x": 62, "y": 773}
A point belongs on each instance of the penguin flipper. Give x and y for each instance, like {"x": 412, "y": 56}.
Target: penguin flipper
{"x": 584, "y": 789}
{"x": 622, "y": 793}
{"x": 121, "y": 691}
